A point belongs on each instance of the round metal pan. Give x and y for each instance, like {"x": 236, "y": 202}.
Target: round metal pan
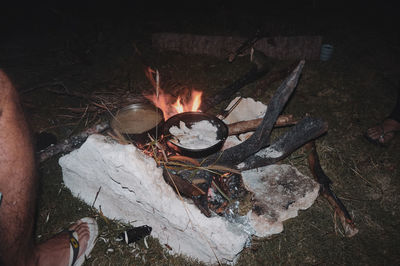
{"x": 189, "y": 118}
{"x": 136, "y": 121}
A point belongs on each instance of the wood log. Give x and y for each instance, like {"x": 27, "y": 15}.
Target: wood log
{"x": 245, "y": 46}
{"x": 227, "y": 92}
{"x": 251, "y": 125}
{"x": 280, "y": 47}
{"x": 182, "y": 185}
{"x": 71, "y": 143}
{"x": 305, "y": 130}
{"x": 268, "y": 76}
{"x": 261, "y": 136}
{"x": 326, "y": 191}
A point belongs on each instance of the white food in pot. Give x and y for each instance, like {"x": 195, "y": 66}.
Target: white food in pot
{"x": 201, "y": 135}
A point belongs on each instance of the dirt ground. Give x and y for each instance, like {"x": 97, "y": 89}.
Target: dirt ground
{"x": 90, "y": 51}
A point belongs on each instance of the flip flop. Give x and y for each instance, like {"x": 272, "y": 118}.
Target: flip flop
{"x": 74, "y": 242}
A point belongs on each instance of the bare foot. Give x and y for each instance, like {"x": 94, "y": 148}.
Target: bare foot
{"x": 56, "y": 250}
{"x": 383, "y": 133}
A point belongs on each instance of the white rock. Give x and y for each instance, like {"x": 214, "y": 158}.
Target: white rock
{"x": 247, "y": 109}
{"x": 134, "y": 191}
{"x": 279, "y": 192}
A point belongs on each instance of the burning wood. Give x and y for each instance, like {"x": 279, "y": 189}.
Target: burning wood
{"x": 256, "y": 151}
{"x": 213, "y": 183}
{"x": 171, "y": 105}
{"x": 191, "y": 100}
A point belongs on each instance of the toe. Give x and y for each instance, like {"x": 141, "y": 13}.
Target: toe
{"x": 374, "y": 132}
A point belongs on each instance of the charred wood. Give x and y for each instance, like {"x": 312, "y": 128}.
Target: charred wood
{"x": 305, "y": 130}
{"x": 227, "y": 92}
{"x": 326, "y": 191}
{"x": 184, "y": 187}
{"x": 257, "y": 72}
{"x": 261, "y": 136}
{"x": 71, "y": 143}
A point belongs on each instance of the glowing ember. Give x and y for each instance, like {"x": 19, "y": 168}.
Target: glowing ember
{"x": 189, "y": 102}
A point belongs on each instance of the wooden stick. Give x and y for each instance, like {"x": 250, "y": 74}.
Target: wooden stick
{"x": 252, "y": 75}
{"x": 245, "y": 46}
{"x": 71, "y": 143}
{"x": 261, "y": 136}
{"x": 304, "y": 131}
{"x": 251, "y": 125}
{"x": 325, "y": 190}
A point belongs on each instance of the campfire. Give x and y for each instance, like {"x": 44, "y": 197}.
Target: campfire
{"x": 257, "y": 151}
{"x": 238, "y": 189}
{"x": 178, "y": 170}
{"x": 188, "y": 101}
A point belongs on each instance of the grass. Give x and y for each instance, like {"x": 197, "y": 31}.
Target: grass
{"x": 352, "y": 91}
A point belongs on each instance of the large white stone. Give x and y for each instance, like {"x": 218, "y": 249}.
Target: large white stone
{"x": 134, "y": 191}
{"x": 279, "y": 191}
{"x": 247, "y": 109}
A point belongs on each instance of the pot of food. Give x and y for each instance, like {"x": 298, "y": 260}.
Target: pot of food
{"x": 195, "y": 134}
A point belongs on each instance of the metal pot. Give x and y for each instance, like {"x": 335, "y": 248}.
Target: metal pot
{"x": 189, "y": 118}
{"x": 136, "y": 121}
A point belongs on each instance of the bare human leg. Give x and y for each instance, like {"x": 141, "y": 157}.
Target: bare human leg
{"x": 17, "y": 178}
{"x": 18, "y": 181}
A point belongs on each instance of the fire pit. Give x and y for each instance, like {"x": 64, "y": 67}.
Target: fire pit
{"x": 128, "y": 185}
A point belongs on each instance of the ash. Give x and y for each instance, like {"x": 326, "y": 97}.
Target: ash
{"x": 201, "y": 135}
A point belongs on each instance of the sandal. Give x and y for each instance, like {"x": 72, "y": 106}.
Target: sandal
{"x": 74, "y": 242}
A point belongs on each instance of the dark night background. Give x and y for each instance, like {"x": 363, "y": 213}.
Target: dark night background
{"x": 88, "y": 46}
{"x": 42, "y": 16}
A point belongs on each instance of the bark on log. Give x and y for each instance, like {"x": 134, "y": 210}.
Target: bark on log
{"x": 261, "y": 136}
{"x": 280, "y": 47}
{"x": 251, "y": 125}
{"x": 182, "y": 185}
{"x": 255, "y": 73}
{"x": 325, "y": 191}
{"x": 72, "y": 143}
{"x": 245, "y": 46}
{"x": 305, "y": 130}
{"x": 251, "y": 76}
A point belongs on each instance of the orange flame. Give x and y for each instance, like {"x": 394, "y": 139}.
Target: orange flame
{"x": 190, "y": 101}
{"x": 196, "y": 96}
{"x": 178, "y": 106}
